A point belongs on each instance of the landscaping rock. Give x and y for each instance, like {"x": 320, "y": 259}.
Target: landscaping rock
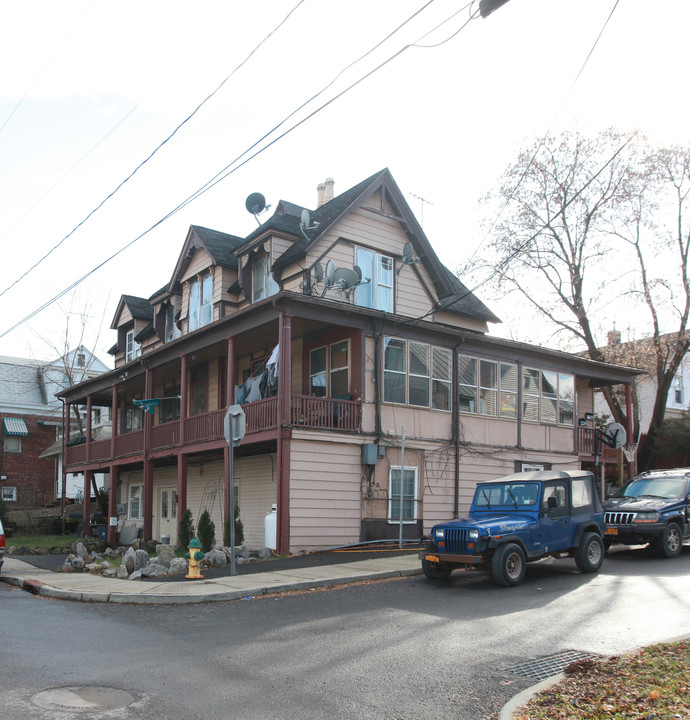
{"x": 265, "y": 553}
{"x": 80, "y": 550}
{"x": 136, "y": 575}
{"x": 78, "y": 563}
{"x": 121, "y": 573}
{"x": 110, "y": 573}
{"x": 110, "y": 553}
{"x": 166, "y": 553}
{"x": 215, "y": 558}
{"x": 178, "y": 565}
{"x": 154, "y": 570}
{"x": 141, "y": 559}
{"x": 240, "y": 552}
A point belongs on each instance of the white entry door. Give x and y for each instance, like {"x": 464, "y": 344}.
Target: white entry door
{"x": 167, "y": 513}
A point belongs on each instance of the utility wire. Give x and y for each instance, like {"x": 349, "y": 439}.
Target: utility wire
{"x": 150, "y": 156}
{"x": 230, "y": 170}
{"x": 542, "y": 141}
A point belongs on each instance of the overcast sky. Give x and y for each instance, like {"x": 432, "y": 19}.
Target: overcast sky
{"x": 90, "y": 89}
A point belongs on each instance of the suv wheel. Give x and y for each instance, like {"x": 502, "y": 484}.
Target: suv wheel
{"x": 589, "y": 555}
{"x": 671, "y": 542}
{"x": 435, "y": 571}
{"x": 508, "y": 565}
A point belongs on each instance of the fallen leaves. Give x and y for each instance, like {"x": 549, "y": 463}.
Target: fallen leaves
{"x": 650, "y": 683}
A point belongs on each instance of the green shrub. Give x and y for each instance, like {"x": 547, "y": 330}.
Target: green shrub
{"x": 239, "y": 529}
{"x": 206, "y": 531}
{"x": 186, "y": 529}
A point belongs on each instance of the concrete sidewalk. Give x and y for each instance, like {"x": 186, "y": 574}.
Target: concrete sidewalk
{"x": 87, "y": 587}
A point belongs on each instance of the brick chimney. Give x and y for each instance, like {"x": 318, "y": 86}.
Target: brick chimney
{"x": 325, "y": 192}
{"x": 614, "y": 337}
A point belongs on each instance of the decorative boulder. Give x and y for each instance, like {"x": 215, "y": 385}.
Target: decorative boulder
{"x": 154, "y": 570}
{"x": 265, "y": 553}
{"x": 179, "y": 565}
{"x": 129, "y": 560}
{"x": 215, "y": 558}
{"x": 166, "y": 553}
{"x": 122, "y": 573}
{"x": 141, "y": 559}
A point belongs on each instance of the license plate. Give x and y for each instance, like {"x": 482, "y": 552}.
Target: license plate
{"x": 611, "y": 531}
{"x": 431, "y": 558}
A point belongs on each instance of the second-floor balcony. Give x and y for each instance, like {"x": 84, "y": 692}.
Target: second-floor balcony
{"x": 262, "y": 416}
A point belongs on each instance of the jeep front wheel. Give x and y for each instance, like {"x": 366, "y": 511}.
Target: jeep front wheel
{"x": 671, "y": 542}
{"x": 435, "y": 571}
{"x": 508, "y": 565}
{"x": 589, "y": 555}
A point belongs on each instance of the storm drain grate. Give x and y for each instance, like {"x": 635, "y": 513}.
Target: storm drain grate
{"x": 550, "y": 665}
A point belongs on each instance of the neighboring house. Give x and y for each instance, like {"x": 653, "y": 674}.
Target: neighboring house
{"x": 32, "y": 421}
{"x": 343, "y": 338}
{"x": 640, "y": 353}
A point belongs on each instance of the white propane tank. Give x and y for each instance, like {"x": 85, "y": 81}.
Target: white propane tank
{"x": 270, "y": 528}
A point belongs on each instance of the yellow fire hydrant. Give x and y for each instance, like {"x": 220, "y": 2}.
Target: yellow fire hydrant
{"x": 195, "y": 556}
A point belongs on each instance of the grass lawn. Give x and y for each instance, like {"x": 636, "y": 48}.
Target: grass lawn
{"x": 41, "y": 541}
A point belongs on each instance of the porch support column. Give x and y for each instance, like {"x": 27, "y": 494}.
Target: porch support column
{"x": 632, "y": 464}
{"x": 112, "y": 505}
{"x": 230, "y": 394}
{"x": 283, "y": 449}
{"x": 87, "y": 503}
{"x": 148, "y": 499}
{"x": 88, "y": 428}
{"x": 113, "y": 421}
{"x": 183, "y": 396}
{"x": 181, "y": 489}
{"x": 230, "y": 372}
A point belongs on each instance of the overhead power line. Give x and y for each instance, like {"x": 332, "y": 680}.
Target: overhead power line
{"x": 150, "y": 156}
{"x": 228, "y": 170}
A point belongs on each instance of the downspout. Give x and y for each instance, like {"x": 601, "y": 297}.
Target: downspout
{"x": 455, "y": 429}
{"x": 63, "y": 493}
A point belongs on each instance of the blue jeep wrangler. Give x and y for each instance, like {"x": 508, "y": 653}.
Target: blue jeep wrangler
{"x": 654, "y": 508}
{"x": 520, "y": 518}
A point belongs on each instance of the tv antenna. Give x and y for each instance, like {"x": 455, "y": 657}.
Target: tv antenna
{"x": 422, "y": 201}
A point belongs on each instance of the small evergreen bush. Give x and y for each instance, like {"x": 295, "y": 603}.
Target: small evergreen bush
{"x": 206, "y": 531}
{"x": 186, "y": 528}
{"x": 239, "y": 529}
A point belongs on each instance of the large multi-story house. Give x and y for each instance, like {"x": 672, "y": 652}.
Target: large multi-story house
{"x": 349, "y": 346}
{"x": 32, "y": 423}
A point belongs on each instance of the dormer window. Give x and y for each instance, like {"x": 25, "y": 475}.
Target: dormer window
{"x": 171, "y": 330}
{"x": 377, "y": 294}
{"x": 132, "y": 348}
{"x": 200, "y": 308}
{"x": 263, "y": 284}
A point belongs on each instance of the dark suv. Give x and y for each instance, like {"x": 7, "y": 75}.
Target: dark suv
{"x": 653, "y": 507}
{"x": 520, "y": 518}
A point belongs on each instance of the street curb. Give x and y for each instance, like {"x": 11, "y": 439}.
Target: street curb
{"x": 508, "y": 711}
{"x": 42, "y": 589}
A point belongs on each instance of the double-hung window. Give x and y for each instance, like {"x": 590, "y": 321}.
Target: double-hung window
{"x": 136, "y": 502}
{"x": 416, "y": 374}
{"x": 9, "y": 494}
{"x": 171, "y": 330}
{"x": 200, "y": 302}
{"x": 133, "y": 348}
{"x": 548, "y": 397}
{"x": 407, "y": 499}
{"x": 487, "y": 387}
{"x": 377, "y": 294}
{"x": 329, "y": 370}
{"x": 263, "y": 284}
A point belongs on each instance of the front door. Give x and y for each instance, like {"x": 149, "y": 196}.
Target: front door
{"x": 167, "y": 513}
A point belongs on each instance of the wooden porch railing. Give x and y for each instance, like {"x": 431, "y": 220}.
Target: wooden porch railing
{"x": 323, "y": 412}
{"x": 585, "y": 444}
{"x": 306, "y": 411}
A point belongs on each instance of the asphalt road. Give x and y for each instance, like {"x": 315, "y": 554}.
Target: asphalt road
{"x": 398, "y": 649}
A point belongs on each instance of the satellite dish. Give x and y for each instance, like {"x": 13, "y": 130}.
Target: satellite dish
{"x": 304, "y": 220}
{"x": 358, "y": 270}
{"x": 318, "y": 272}
{"x": 345, "y": 278}
{"x": 255, "y": 203}
{"x": 330, "y": 272}
{"x": 615, "y": 436}
{"x": 408, "y": 252}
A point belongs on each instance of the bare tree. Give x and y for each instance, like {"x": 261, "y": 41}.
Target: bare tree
{"x": 587, "y": 228}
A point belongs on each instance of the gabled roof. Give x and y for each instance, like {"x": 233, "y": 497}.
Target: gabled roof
{"x": 139, "y": 308}
{"x": 219, "y": 245}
